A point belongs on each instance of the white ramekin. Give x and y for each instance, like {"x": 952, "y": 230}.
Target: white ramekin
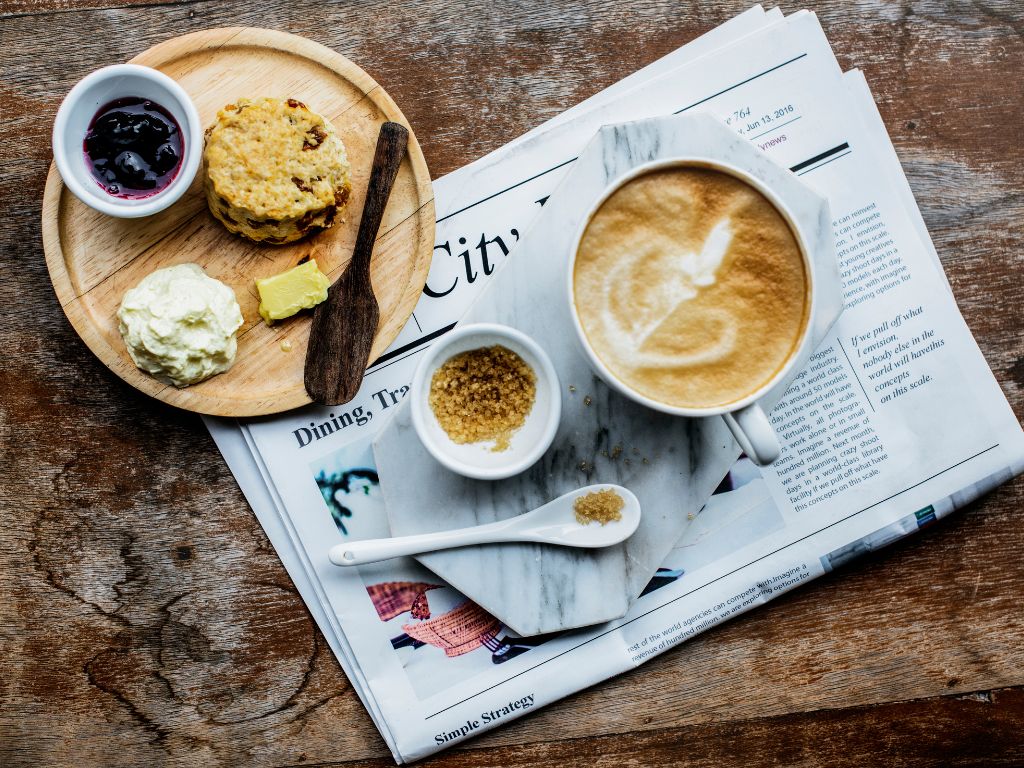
{"x": 79, "y": 108}
{"x": 528, "y": 443}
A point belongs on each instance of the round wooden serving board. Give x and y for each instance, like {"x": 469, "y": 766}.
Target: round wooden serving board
{"x": 93, "y": 259}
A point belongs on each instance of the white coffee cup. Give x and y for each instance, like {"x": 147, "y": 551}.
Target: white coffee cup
{"x": 745, "y": 417}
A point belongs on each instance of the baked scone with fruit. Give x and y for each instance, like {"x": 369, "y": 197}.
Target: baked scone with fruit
{"x": 275, "y": 170}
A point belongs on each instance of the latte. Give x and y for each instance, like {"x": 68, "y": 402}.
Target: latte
{"x": 691, "y": 287}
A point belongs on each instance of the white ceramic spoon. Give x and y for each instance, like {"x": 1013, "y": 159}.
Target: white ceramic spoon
{"x": 554, "y": 523}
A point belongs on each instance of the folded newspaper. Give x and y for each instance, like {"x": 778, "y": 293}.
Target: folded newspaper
{"x": 895, "y": 422}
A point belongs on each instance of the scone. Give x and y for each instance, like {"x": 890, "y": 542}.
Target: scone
{"x": 275, "y": 170}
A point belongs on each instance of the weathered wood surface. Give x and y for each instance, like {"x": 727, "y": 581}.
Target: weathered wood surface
{"x": 144, "y": 617}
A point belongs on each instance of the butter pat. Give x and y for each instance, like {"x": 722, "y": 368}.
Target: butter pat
{"x": 283, "y": 295}
{"x": 179, "y": 324}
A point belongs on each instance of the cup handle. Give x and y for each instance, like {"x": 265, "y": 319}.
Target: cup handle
{"x": 754, "y": 433}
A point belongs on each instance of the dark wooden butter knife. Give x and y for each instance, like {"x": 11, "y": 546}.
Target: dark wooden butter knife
{"x": 345, "y": 324}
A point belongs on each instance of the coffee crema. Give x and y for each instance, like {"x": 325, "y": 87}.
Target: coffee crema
{"x": 691, "y": 287}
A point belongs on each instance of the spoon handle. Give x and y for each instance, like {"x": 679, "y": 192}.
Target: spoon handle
{"x": 373, "y": 550}
{"x": 391, "y": 145}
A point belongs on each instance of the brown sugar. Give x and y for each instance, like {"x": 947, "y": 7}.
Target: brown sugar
{"x": 483, "y": 394}
{"x": 598, "y": 507}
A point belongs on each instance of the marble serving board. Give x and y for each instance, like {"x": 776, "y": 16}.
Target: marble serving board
{"x": 672, "y": 464}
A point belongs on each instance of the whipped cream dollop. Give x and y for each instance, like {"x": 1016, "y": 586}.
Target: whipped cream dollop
{"x": 179, "y": 324}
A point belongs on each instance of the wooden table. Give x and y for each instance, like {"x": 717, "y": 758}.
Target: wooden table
{"x": 146, "y": 620}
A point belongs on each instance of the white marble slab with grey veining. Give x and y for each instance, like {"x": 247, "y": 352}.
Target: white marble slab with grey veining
{"x": 671, "y": 464}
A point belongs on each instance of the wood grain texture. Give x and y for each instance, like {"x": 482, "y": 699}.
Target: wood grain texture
{"x": 144, "y": 618}
{"x": 93, "y": 259}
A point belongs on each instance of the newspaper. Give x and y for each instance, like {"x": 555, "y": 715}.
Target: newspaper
{"x": 895, "y": 422}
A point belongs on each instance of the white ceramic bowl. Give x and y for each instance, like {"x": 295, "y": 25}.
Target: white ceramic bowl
{"x": 79, "y": 108}
{"x": 528, "y": 443}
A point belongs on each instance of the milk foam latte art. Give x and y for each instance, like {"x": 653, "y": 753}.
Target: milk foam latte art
{"x": 691, "y": 287}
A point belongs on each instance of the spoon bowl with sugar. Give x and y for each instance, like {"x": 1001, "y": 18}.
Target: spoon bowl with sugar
{"x": 591, "y": 517}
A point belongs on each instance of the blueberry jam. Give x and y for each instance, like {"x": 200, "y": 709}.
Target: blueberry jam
{"x": 133, "y": 147}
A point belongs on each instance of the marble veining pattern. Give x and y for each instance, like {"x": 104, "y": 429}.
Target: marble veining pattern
{"x": 540, "y": 588}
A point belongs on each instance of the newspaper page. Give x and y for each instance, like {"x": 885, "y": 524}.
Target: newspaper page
{"x": 235, "y": 442}
{"x": 233, "y": 438}
{"x": 867, "y": 457}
